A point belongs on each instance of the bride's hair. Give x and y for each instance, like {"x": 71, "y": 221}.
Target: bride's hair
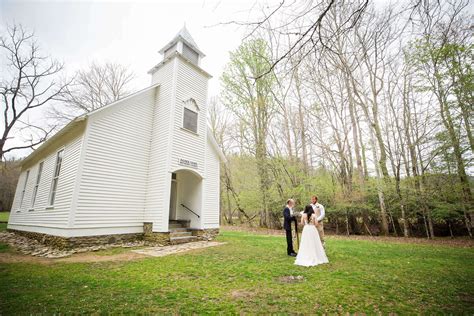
{"x": 308, "y": 210}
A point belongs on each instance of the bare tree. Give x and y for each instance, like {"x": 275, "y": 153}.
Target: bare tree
{"x": 431, "y": 54}
{"x": 309, "y": 38}
{"x": 93, "y": 88}
{"x": 29, "y": 81}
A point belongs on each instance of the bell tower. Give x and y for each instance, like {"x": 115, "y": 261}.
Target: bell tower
{"x": 184, "y": 44}
{"x": 179, "y": 135}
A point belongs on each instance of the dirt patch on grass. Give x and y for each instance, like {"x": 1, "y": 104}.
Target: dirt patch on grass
{"x": 106, "y": 255}
{"x": 291, "y": 279}
{"x": 462, "y": 242}
{"x": 9, "y": 257}
{"x": 466, "y": 297}
{"x": 90, "y": 257}
{"x": 241, "y": 294}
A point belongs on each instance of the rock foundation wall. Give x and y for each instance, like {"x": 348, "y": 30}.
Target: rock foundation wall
{"x": 206, "y": 234}
{"x": 154, "y": 238}
{"x": 148, "y": 236}
{"x": 79, "y": 242}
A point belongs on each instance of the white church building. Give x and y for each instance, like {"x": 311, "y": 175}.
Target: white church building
{"x": 145, "y": 166}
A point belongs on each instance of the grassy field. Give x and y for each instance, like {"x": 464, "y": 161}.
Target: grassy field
{"x": 247, "y": 275}
{"x": 4, "y": 218}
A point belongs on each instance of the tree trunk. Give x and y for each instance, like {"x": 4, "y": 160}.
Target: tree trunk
{"x": 383, "y": 154}
{"x": 380, "y": 194}
{"x": 355, "y": 130}
{"x": 229, "y": 208}
{"x": 463, "y": 179}
{"x": 347, "y": 225}
{"x": 301, "y": 123}
{"x": 407, "y": 120}
{"x": 450, "y": 229}
{"x": 362, "y": 147}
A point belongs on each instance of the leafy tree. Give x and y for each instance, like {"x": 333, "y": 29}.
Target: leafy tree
{"x": 249, "y": 96}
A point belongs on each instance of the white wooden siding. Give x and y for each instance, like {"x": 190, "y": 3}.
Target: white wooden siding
{"x": 190, "y": 54}
{"x": 16, "y": 198}
{"x": 115, "y": 166}
{"x": 159, "y": 177}
{"x": 187, "y": 145}
{"x": 41, "y": 215}
{"x": 211, "y": 202}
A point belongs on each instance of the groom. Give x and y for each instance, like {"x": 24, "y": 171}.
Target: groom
{"x": 320, "y": 213}
{"x": 288, "y": 219}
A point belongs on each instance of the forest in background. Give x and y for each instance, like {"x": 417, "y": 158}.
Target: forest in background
{"x": 367, "y": 107}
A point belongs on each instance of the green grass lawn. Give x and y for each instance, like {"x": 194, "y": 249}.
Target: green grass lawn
{"x": 3, "y": 218}
{"x": 243, "y": 276}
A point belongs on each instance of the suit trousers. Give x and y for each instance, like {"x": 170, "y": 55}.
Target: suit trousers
{"x": 289, "y": 242}
{"x": 320, "y": 228}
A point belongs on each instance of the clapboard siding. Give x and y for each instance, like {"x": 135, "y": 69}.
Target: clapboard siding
{"x": 118, "y": 161}
{"x": 158, "y": 184}
{"x": 41, "y": 214}
{"x": 16, "y": 198}
{"x": 187, "y": 145}
{"x": 211, "y": 203}
{"x": 114, "y": 171}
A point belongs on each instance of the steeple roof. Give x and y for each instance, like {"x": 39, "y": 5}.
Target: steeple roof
{"x": 185, "y": 37}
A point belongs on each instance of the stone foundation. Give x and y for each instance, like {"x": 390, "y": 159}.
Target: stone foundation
{"x": 65, "y": 243}
{"x": 155, "y": 238}
{"x": 206, "y": 234}
{"x": 148, "y": 236}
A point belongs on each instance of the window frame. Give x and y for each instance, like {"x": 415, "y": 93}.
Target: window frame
{"x": 184, "y": 120}
{"x": 24, "y": 190}
{"x": 35, "y": 188}
{"x": 54, "y": 181}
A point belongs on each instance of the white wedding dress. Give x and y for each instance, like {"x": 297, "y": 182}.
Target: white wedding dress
{"x": 311, "y": 251}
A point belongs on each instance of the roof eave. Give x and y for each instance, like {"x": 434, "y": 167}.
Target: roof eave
{"x": 45, "y": 145}
{"x": 175, "y": 40}
{"x": 211, "y": 137}
{"x": 164, "y": 61}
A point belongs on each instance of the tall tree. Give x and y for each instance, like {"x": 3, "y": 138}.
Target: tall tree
{"x": 433, "y": 55}
{"x": 249, "y": 96}
{"x": 29, "y": 81}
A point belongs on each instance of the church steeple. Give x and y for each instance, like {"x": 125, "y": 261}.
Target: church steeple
{"x": 184, "y": 44}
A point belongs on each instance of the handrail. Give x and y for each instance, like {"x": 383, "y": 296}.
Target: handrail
{"x": 190, "y": 210}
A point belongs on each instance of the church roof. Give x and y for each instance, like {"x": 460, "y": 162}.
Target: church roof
{"x": 75, "y": 125}
{"x": 186, "y": 37}
{"x": 78, "y": 125}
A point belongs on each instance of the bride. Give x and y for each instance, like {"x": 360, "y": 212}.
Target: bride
{"x": 311, "y": 252}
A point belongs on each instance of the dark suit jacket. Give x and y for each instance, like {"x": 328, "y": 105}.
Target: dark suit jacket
{"x": 287, "y": 219}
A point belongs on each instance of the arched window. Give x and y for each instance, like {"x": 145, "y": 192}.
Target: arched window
{"x": 190, "y": 115}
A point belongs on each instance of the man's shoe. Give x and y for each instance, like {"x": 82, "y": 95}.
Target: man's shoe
{"x": 293, "y": 254}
